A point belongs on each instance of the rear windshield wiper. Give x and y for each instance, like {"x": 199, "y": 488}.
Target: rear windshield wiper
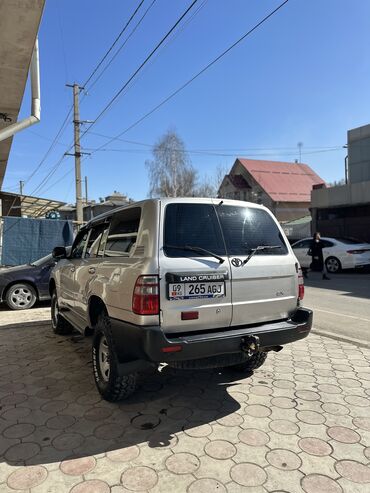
{"x": 196, "y": 249}
{"x": 258, "y": 249}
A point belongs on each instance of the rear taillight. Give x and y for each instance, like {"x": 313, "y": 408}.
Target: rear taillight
{"x": 300, "y": 285}
{"x": 145, "y": 298}
{"x": 358, "y": 252}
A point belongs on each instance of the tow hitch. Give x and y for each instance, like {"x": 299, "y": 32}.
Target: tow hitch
{"x": 250, "y": 345}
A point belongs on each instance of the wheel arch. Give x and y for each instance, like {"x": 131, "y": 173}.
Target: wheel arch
{"x": 52, "y": 286}
{"x": 95, "y": 307}
{"x": 20, "y": 281}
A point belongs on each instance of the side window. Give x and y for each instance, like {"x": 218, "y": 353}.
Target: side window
{"x": 122, "y": 233}
{"x": 103, "y": 242}
{"x": 298, "y": 245}
{"x": 303, "y": 244}
{"x": 327, "y": 244}
{"x": 94, "y": 240}
{"x": 79, "y": 245}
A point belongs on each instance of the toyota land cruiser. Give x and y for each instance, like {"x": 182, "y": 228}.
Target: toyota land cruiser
{"x": 194, "y": 283}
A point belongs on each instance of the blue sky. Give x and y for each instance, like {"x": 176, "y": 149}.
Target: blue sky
{"x": 301, "y": 77}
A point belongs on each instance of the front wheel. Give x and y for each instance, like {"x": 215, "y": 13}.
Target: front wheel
{"x": 112, "y": 386}
{"x": 251, "y": 363}
{"x": 333, "y": 265}
{"x": 20, "y": 296}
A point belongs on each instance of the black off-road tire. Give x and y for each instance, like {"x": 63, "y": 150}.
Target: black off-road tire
{"x": 20, "y": 296}
{"x": 59, "y": 324}
{"x": 252, "y": 363}
{"x": 111, "y": 386}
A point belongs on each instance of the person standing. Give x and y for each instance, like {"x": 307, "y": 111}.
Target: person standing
{"x": 316, "y": 252}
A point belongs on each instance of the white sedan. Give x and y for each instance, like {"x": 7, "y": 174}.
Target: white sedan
{"x": 339, "y": 253}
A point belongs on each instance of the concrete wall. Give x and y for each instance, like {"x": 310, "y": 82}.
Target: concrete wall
{"x": 358, "y": 140}
{"x": 352, "y": 194}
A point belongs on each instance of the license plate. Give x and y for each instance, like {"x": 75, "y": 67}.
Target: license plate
{"x": 186, "y": 291}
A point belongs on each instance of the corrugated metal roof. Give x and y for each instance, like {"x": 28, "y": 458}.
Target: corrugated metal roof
{"x": 283, "y": 182}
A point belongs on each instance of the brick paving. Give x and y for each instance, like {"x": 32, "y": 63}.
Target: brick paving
{"x": 301, "y": 423}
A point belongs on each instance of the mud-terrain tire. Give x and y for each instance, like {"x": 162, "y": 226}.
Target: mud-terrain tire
{"x": 111, "y": 386}
{"x": 20, "y": 296}
{"x": 59, "y": 324}
{"x": 252, "y": 363}
{"x": 219, "y": 361}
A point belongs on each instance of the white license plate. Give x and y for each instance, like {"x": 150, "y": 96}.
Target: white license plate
{"x": 185, "y": 291}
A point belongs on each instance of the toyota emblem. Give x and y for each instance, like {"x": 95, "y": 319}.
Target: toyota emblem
{"x": 236, "y": 262}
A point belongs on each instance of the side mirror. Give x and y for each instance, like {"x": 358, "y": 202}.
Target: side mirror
{"x": 59, "y": 253}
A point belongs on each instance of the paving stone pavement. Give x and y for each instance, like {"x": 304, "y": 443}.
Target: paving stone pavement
{"x": 301, "y": 423}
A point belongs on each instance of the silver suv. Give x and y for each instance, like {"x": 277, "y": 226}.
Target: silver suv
{"x": 195, "y": 283}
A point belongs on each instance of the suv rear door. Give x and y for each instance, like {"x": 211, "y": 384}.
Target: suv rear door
{"x": 195, "y": 286}
{"x": 265, "y": 287}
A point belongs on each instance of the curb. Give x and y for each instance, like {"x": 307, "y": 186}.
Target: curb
{"x": 349, "y": 340}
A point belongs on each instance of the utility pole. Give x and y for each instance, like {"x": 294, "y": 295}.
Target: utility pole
{"x": 21, "y": 185}
{"x": 86, "y": 198}
{"x": 77, "y": 153}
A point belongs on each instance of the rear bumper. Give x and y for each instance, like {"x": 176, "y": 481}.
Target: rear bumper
{"x": 146, "y": 343}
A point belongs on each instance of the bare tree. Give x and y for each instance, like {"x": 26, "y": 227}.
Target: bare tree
{"x": 210, "y": 185}
{"x": 337, "y": 183}
{"x": 171, "y": 173}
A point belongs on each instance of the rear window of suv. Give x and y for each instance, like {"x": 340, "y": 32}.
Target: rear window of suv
{"x": 191, "y": 225}
{"x": 197, "y": 225}
{"x": 245, "y": 228}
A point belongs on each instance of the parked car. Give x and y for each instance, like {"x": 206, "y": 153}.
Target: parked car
{"x": 21, "y": 286}
{"x": 339, "y": 253}
{"x": 195, "y": 283}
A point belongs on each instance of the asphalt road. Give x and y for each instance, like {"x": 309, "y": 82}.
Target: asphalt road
{"x": 341, "y": 306}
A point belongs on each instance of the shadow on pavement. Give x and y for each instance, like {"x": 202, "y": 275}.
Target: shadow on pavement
{"x": 50, "y": 409}
{"x": 349, "y": 282}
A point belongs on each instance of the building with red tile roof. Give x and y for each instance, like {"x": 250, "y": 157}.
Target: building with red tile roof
{"x": 285, "y": 188}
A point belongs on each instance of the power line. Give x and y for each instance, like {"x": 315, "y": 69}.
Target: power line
{"x": 65, "y": 121}
{"x": 114, "y": 43}
{"x": 122, "y": 46}
{"x": 180, "y": 29}
{"x": 198, "y": 74}
{"x": 51, "y": 147}
{"x": 241, "y": 149}
{"x": 119, "y": 92}
{"x": 220, "y": 154}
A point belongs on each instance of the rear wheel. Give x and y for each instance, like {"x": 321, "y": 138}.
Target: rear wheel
{"x": 20, "y": 296}
{"x": 251, "y": 363}
{"x": 59, "y": 324}
{"x": 333, "y": 265}
{"x": 112, "y": 386}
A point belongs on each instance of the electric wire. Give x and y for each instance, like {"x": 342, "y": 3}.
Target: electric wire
{"x": 121, "y": 47}
{"x": 198, "y": 74}
{"x": 65, "y": 122}
{"x": 119, "y": 92}
{"x": 114, "y": 43}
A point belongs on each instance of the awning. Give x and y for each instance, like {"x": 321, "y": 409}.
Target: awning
{"x": 19, "y": 24}
{"x": 30, "y": 206}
